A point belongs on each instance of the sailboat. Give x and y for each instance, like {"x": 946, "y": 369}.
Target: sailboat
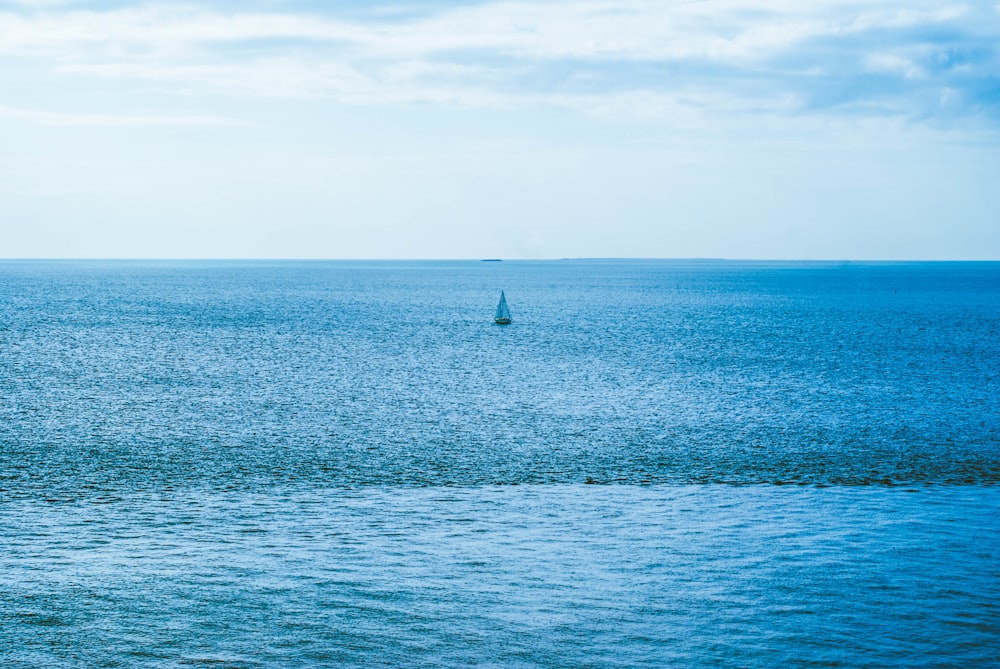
{"x": 502, "y": 316}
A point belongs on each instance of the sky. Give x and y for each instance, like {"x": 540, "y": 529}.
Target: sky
{"x": 772, "y": 129}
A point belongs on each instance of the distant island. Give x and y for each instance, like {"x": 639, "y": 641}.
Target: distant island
{"x": 491, "y": 260}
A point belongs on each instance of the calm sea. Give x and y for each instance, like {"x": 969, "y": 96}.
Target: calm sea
{"x": 659, "y": 463}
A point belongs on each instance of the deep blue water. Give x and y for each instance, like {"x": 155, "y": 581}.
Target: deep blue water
{"x": 266, "y": 464}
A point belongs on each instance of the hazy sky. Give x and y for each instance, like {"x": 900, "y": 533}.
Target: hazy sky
{"x": 554, "y": 128}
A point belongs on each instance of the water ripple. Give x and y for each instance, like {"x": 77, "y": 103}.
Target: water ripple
{"x": 554, "y": 575}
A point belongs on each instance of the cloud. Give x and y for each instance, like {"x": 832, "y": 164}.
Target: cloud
{"x": 628, "y": 30}
{"x": 893, "y": 64}
{"x": 53, "y": 118}
{"x": 775, "y": 56}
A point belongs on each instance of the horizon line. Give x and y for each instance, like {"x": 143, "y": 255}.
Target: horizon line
{"x": 473, "y": 259}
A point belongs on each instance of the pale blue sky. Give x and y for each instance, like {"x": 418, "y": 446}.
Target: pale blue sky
{"x": 560, "y": 128}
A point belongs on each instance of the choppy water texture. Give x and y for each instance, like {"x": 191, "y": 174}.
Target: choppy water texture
{"x": 330, "y": 464}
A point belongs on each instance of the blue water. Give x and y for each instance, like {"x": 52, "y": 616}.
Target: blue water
{"x": 699, "y": 463}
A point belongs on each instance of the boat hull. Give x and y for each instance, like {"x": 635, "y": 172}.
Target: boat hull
{"x": 502, "y": 321}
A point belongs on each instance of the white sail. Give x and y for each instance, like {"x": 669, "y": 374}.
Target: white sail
{"x": 503, "y": 313}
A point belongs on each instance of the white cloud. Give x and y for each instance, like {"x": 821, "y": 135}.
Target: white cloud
{"x": 635, "y": 30}
{"x": 493, "y": 54}
{"x": 54, "y": 118}
{"x": 884, "y": 62}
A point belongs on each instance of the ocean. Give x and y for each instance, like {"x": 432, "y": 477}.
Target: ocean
{"x": 658, "y": 463}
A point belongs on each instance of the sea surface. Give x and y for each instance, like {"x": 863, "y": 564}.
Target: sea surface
{"x": 347, "y": 464}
